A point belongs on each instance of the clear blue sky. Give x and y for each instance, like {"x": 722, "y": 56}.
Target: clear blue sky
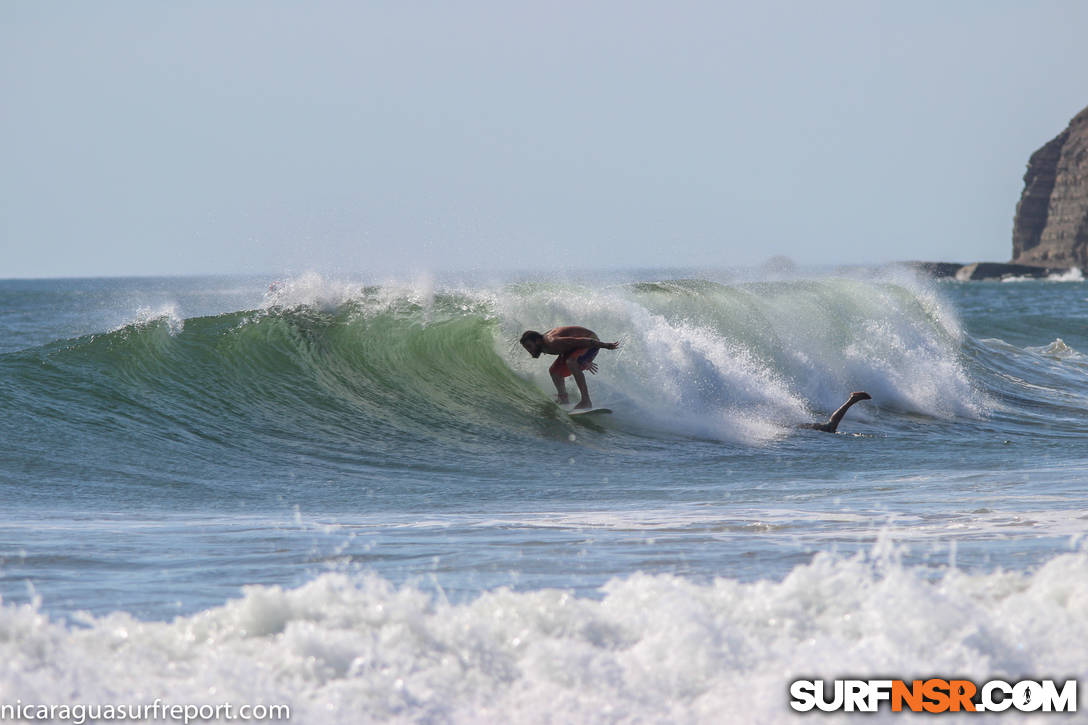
{"x": 223, "y": 137}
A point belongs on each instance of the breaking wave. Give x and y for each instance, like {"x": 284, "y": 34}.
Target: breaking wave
{"x": 324, "y": 364}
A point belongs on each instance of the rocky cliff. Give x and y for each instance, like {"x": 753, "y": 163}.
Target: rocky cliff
{"x": 1051, "y": 225}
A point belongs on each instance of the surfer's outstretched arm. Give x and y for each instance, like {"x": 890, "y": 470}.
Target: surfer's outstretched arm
{"x": 565, "y": 344}
{"x": 832, "y": 423}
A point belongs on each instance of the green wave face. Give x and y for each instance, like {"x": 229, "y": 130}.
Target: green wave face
{"x": 362, "y": 386}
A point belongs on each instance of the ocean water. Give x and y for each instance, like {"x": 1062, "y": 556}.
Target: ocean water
{"x": 359, "y": 498}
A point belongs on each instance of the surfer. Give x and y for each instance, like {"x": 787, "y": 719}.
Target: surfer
{"x": 576, "y": 348}
{"x": 832, "y": 423}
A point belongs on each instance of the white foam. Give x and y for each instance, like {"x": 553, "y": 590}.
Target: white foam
{"x": 1058, "y": 350}
{"x": 681, "y": 377}
{"x": 652, "y": 649}
{"x": 1073, "y": 274}
{"x": 742, "y": 363}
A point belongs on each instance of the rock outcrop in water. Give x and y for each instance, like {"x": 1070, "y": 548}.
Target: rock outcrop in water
{"x": 989, "y": 271}
{"x": 1051, "y": 224}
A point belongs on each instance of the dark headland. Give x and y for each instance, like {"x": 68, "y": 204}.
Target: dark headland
{"x": 1050, "y": 229}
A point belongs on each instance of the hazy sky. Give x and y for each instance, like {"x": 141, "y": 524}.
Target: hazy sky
{"x": 220, "y": 137}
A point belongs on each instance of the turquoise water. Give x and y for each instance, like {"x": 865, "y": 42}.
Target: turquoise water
{"x": 384, "y": 469}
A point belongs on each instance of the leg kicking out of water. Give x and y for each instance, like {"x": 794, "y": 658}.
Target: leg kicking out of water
{"x": 832, "y": 423}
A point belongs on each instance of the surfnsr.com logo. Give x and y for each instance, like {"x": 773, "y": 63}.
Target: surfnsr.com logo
{"x": 935, "y": 695}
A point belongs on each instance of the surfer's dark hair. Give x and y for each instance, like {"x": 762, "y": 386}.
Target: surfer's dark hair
{"x": 531, "y": 336}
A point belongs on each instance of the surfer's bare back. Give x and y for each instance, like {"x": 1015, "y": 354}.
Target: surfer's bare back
{"x": 576, "y": 348}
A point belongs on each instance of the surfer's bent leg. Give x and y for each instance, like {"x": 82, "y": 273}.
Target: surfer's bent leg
{"x": 580, "y": 378}
{"x": 571, "y": 363}
{"x": 574, "y": 367}
{"x": 558, "y": 371}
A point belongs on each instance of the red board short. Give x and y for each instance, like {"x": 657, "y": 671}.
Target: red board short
{"x": 583, "y": 355}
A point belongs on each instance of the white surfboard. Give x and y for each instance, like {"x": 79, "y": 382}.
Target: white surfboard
{"x": 589, "y": 411}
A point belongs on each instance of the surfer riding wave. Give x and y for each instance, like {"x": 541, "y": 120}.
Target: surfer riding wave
{"x": 576, "y": 348}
